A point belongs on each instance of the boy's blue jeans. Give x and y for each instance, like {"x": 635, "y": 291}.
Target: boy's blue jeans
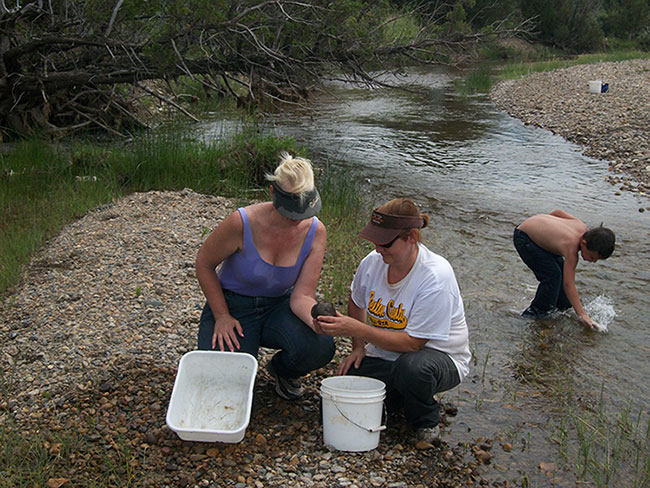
{"x": 411, "y": 381}
{"x": 269, "y": 322}
{"x": 548, "y": 269}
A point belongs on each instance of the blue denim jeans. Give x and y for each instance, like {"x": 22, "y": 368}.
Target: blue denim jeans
{"x": 548, "y": 269}
{"x": 411, "y": 381}
{"x": 269, "y": 322}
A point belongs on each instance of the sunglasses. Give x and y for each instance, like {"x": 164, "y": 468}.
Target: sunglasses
{"x": 386, "y": 246}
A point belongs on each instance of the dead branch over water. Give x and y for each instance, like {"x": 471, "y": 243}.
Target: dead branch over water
{"x": 68, "y": 66}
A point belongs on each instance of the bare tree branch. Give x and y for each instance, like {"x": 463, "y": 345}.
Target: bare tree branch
{"x": 113, "y": 15}
{"x": 56, "y": 56}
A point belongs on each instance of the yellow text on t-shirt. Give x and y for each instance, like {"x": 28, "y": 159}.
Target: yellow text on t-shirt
{"x": 386, "y": 316}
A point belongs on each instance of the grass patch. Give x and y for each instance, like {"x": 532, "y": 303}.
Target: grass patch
{"x": 519, "y": 70}
{"x": 53, "y": 458}
{"x": 479, "y": 80}
{"x": 606, "y": 450}
{"x": 57, "y": 455}
{"x": 39, "y": 194}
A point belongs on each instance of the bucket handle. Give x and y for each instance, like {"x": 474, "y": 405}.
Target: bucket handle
{"x": 368, "y": 429}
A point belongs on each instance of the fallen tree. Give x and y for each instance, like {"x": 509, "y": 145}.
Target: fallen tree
{"x": 76, "y": 64}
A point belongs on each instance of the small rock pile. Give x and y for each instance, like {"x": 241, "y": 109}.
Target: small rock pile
{"x": 90, "y": 346}
{"x": 613, "y": 126}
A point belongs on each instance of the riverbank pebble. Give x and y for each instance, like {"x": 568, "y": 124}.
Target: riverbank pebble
{"x": 612, "y": 126}
{"x": 91, "y": 342}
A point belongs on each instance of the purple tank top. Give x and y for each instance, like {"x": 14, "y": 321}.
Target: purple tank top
{"x": 246, "y": 273}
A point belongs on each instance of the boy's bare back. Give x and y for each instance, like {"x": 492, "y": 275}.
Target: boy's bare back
{"x": 558, "y": 232}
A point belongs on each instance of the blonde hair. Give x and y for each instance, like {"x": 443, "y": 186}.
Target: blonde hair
{"x": 293, "y": 174}
{"x": 404, "y": 207}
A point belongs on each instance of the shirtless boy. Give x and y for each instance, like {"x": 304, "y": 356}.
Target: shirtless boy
{"x": 549, "y": 245}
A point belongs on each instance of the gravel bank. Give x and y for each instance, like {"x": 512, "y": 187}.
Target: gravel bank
{"x": 90, "y": 345}
{"x": 613, "y": 126}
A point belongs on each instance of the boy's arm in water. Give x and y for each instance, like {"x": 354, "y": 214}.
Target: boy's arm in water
{"x": 569, "y": 284}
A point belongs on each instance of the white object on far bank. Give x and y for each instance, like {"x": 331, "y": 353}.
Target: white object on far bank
{"x": 595, "y": 86}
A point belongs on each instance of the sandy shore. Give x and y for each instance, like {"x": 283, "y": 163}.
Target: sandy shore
{"x": 613, "y": 126}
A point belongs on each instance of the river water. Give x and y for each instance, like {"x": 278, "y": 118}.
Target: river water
{"x": 478, "y": 173}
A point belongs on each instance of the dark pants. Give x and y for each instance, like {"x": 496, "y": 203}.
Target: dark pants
{"x": 269, "y": 322}
{"x": 548, "y": 269}
{"x": 411, "y": 381}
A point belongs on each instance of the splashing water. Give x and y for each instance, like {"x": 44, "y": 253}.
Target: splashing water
{"x": 601, "y": 311}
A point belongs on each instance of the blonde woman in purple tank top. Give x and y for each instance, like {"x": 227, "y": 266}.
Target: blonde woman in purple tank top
{"x": 258, "y": 271}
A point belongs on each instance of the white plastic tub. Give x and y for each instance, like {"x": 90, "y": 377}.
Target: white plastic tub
{"x": 212, "y": 396}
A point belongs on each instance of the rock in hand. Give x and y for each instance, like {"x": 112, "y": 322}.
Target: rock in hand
{"x": 323, "y": 308}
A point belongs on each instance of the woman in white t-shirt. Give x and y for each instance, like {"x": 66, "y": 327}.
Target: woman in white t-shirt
{"x": 406, "y": 318}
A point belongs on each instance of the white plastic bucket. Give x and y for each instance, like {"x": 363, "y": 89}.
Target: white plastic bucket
{"x": 352, "y": 410}
{"x": 595, "y": 86}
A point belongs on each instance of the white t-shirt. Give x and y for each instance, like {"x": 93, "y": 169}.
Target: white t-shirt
{"x": 426, "y": 304}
